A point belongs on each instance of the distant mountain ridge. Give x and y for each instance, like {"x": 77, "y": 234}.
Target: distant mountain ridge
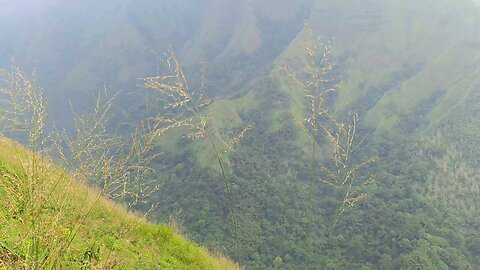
{"x": 114, "y": 43}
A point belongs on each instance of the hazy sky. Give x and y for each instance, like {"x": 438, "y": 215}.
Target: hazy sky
{"x": 22, "y": 7}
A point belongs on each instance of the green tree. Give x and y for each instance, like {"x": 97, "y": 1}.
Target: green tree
{"x": 277, "y": 262}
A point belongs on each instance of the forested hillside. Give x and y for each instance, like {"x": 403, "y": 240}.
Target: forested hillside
{"x": 220, "y": 79}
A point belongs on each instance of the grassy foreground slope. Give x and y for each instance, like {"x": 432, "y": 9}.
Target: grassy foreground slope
{"x": 48, "y": 221}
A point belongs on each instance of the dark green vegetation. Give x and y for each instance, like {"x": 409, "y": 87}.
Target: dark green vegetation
{"x": 409, "y": 68}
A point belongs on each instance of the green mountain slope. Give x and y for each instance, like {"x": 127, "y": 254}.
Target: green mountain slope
{"x": 403, "y": 66}
{"x": 411, "y": 71}
{"x": 409, "y": 68}
{"x": 59, "y": 224}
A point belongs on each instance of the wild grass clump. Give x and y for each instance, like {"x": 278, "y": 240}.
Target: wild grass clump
{"x": 190, "y": 113}
{"x": 48, "y": 221}
{"x": 118, "y": 165}
{"x": 339, "y": 169}
{"x": 23, "y": 114}
{"x": 107, "y": 238}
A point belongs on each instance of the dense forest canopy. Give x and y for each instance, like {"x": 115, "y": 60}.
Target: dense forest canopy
{"x": 317, "y": 134}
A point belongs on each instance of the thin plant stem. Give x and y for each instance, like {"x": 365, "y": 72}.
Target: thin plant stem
{"x": 229, "y": 194}
{"x": 308, "y": 240}
{"x": 180, "y": 95}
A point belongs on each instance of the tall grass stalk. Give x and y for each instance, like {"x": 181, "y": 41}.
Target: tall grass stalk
{"x": 23, "y": 114}
{"x": 95, "y": 156}
{"x": 174, "y": 92}
{"x": 317, "y": 83}
{"x": 229, "y": 197}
